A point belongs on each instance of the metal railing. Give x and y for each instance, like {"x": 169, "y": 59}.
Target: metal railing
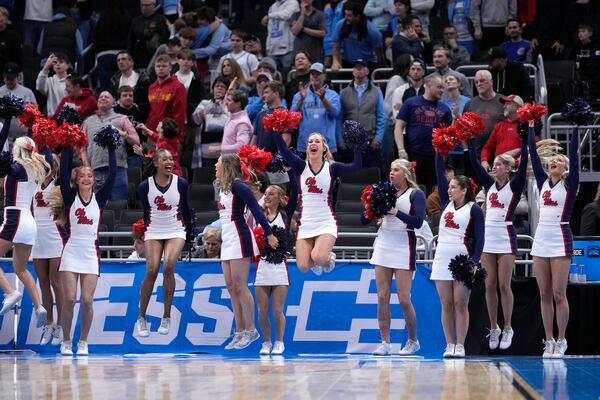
{"x": 470, "y": 70}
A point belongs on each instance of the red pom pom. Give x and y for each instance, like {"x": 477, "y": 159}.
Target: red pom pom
{"x": 294, "y": 118}
{"x": 139, "y": 228}
{"x": 43, "y": 132}
{"x": 256, "y": 158}
{"x": 365, "y": 198}
{"x": 531, "y": 112}
{"x": 282, "y": 120}
{"x": 30, "y": 115}
{"x": 259, "y": 235}
{"x": 469, "y": 125}
{"x": 70, "y": 136}
{"x": 445, "y": 139}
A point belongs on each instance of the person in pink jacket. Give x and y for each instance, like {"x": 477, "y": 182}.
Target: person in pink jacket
{"x": 238, "y": 129}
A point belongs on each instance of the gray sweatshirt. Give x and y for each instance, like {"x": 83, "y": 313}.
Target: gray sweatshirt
{"x": 492, "y": 13}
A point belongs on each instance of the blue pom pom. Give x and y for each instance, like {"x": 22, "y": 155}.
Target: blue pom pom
{"x": 277, "y": 164}
{"x": 523, "y": 128}
{"x": 355, "y": 135}
{"x": 467, "y": 271}
{"x": 108, "y": 137}
{"x": 69, "y": 114}
{"x": 6, "y": 160}
{"x": 284, "y": 247}
{"x": 578, "y": 112}
{"x": 383, "y": 198}
{"x": 11, "y": 106}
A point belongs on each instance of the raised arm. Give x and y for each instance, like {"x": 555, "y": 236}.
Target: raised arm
{"x": 518, "y": 182}
{"x": 242, "y": 190}
{"x": 442, "y": 182}
{"x": 536, "y": 162}
{"x": 573, "y": 177}
{"x": 292, "y": 159}
{"x": 293, "y": 198}
{"x": 341, "y": 169}
{"x": 414, "y": 220}
{"x": 486, "y": 180}
{"x": 66, "y": 166}
{"x": 478, "y": 231}
{"x": 104, "y": 193}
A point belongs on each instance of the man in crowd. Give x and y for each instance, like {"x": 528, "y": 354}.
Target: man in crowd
{"x": 137, "y": 79}
{"x": 147, "y": 31}
{"x": 516, "y": 48}
{"x": 441, "y": 61}
{"x": 167, "y": 96}
{"x": 459, "y": 54}
{"x": 509, "y": 76}
{"x": 309, "y": 29}
{"x": 12, "y": 87}
{"x": 126, "y": 106}
{"x": 78, "y": 97}
{"x": 53, "y": 87}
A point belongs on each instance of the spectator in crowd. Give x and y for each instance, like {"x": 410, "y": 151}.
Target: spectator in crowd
{"x": 12, "y": 87}
{"x": 433, "y": 204}
{"x": 549, "y": 31}
{"x": 98, "y": 156}
{"x": 320, "y": 107}
{"x": 442, "y": 57}
{"x": 110, "y": 37}
{"x": 78, "y": 97}
{"x": 454, "y": 100}
{"x": 211, "y": 244}
{"x": 362, "y": 101}
{"x": 401, "y": 10}
{"x": 459, "y": 54}
{"x": 489, "y": 19}
{"x": 516, "y": 48}
{"x": 190, "y": 80}
{"x": 301, "y": 74}
{"x": 411, "y": 40}
{"x": 167, "y": 96}
{"x": 414, "y": 87}
{"x": 61, "y": 36}
{"x": 187, "y": 36}
{"x": 256, "y": 103}
{"x": 167, "y": 136}
{"x": 334, "y": 12}
{"x": 38, "y": 13}
{"x": 273, "y": 94}
{"x": 399, "y": 77}
{"x": 487, "y": 104}
{"x": 146, "y": 32}
{"x": 11, "y": 48}
{"x": 171, "y": 48}
{"x": 53, "y": 87}
{"x": 139, "y": 244}
{"x": 419, "y": 116}
{"x": 210, "y": 116}
{"x": 586, "y": 52}
{"x": 138, "y": 79}
{"x": 238, "y": 128}
{"x": 459, "y": 15}
{"x": 509, "y": 76}
{"x": 421, "y": 10}
{"x": 505, "y": 138}
{"x": 280, "y": 39}
{"x": 356, "y": 38}
{"x": 247, "y": 61}
{"x": 309, "y": 29}
{"x": 590, "y": 217}
{"x": 379, "y": 13}
{"x": 126, "y": 106}
{"x": 254, "y": 46}
{"x": 231, "y": 70}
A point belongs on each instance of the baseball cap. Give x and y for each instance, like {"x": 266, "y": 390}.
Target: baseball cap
{"x": 252, "y": 37}
{"x": 514, "y": 98}
{"x": 420, "y": 62}
{"x": 360, "y": 61}
{"x": 318, "y": 67}
{"x": 11, "y": 70}
{"x": 496, "y": 52}
{"x": 264, "y": 75}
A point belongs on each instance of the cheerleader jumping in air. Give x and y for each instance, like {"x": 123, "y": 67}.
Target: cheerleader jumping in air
{"x": 502, "y": 194}
{"x": 239, "y": 245}
{"x": 394, "y": 255}
{"x": 22, "y": 176}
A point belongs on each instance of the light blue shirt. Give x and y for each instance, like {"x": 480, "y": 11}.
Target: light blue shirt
{"x": 220, "y": 43}
{"x": 317, "y": 118}
{"x": 354, "y": 49}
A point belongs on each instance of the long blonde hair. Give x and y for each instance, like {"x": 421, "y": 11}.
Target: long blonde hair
{"x": 409, "y": 172}
{"x": 232, "y": 170}
{"x": 24, "y": 153}
{"x": 327, "y": 156}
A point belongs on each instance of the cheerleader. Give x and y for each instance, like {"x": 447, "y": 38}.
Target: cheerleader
{"x": 553, "y": 242}
{"x": 80, "y": 258}
{"x": 461, "y": 221}
{"x": 18, "y": 232}
{"x": 51, "y": 238}
{"x": 500, "y": 248}
{"x": 394, "y": 254}
{"x": 239, "y": 244}
{"x": 272, "y": 280}
{"x": 166, "y": 215}
{"x": 317, "y": 226}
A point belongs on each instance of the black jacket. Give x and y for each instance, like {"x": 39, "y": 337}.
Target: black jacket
{"x": 513, "y": 79}
{"x": 140, "y": 91}
{"x": 590, "y": 219}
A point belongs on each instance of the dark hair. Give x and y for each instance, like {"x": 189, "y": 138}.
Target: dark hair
{"x": 408, "y": 20}
{"x": 62, "y": 57}
{"x": 124, "y": 88}
{"x": 170, "y": 129}
{"x": 586, "y": 26}
{"x": 186, "y": 54}
{"x": 402, "y": 64}
{"x": 355, "y": 8}
{"x": 305, "y": 53}
{"x": 239, "y": 97}
{"x": 277, "y": 87}
{"x": 405, "y": 2}
{"x": 220, "y": 79}
{"x": 465, "y": 183}
{"x": 124, "y": 52}
{"x": 267, "y": 65}
{"x": 508, "y": 21}
{"x": 188, "y": 32}
{"x": 239, "y": 33}
{"x": 163, "y": 58}
{"x": 207, "y": 13}
{"x": 75, "y": 80}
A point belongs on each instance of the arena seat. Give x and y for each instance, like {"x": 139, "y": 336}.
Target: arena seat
{"x": 353, "y": 206}
{"x": 203, "y": 192}
{"x": 203, "y": 175}
{"x": 129, "y": 217}
{"x": 134, "y": 175}
{"x": 108, "y": 219}
{"x": 364, "y": 176}
{"x": 117, "y": 206}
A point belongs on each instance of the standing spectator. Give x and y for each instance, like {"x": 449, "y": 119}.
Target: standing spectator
{"x": 509, "y": 76}
{"x": 280, "y": 39}
{"x": 98, "y": 156}
{"x": 61, "y": 36}
{"x": 78, "y": 97}
{"x": 459, "y": 15}
{"x": 334, "y": 12}
{"x": 586, "y": 52}
{"x": 254, "y": 46}
{"x": 489, "y": 18}
{"x": 412, "y": 40}
{"x": 401, "y": 10}
{"x": 420, "y": 115}
{"x": 414, "y": 87}
{"x": 231, "y": 70}
{"x": 11, "y": 48}
{"x": 12, "y": 87}
{"x": 460, "y": 54}
{"x": 320, "y": 107}
{"x": 487, "y": 104}
{"x": 209, "y": 50}
{"x": 590, "y": 217}
{"x": 455, "y": 101}
{"x": 517, "y": 48}
{"x": 138, "y": 79}
{"x": 38, "y": 13}
{"x": 187, "y": 36}
{"x": 53, "y": 87}
{"x": 441, "y": 61}
{"x": 128, "y": 108}
{"x": 147, "y": 31}
{"x": 380, "y": 13}
{"x": 309, "y": 28}
{"x": 549, "y": 36}
{"x": 238, "y": 128}
{"x": 421, "y": 9}
{"x": 362, "y": 101}
{"x": 301, "y": 75}
{"x": 356, "y": 38}
{"x": 399, "y": 77}
{"x": 167, "y": 96}
{"x": 190, "y": 80}
{"x": 247, "y": 61}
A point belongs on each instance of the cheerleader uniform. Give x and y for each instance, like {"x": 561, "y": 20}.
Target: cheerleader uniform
{"x": 316, "y": 211}
{"x": 500, "y": 204}
{"x": 396, "y": 243}
{"x": 166, "y": 209}
{"x": 457, "y": 226}
{"x": 50, "y": 236}
{"x": 553, "y": 237}
{"x": 237, "y": 237}
{"x": 81, "y": 253}
{"x": 19, "y": 187}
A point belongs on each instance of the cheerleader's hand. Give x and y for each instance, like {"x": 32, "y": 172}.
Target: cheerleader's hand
{"x": 393, "y": 211}
{"x": 273, "y": 242}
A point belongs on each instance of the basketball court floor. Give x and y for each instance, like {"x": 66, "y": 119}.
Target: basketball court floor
{"x": 189, "y": 376}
